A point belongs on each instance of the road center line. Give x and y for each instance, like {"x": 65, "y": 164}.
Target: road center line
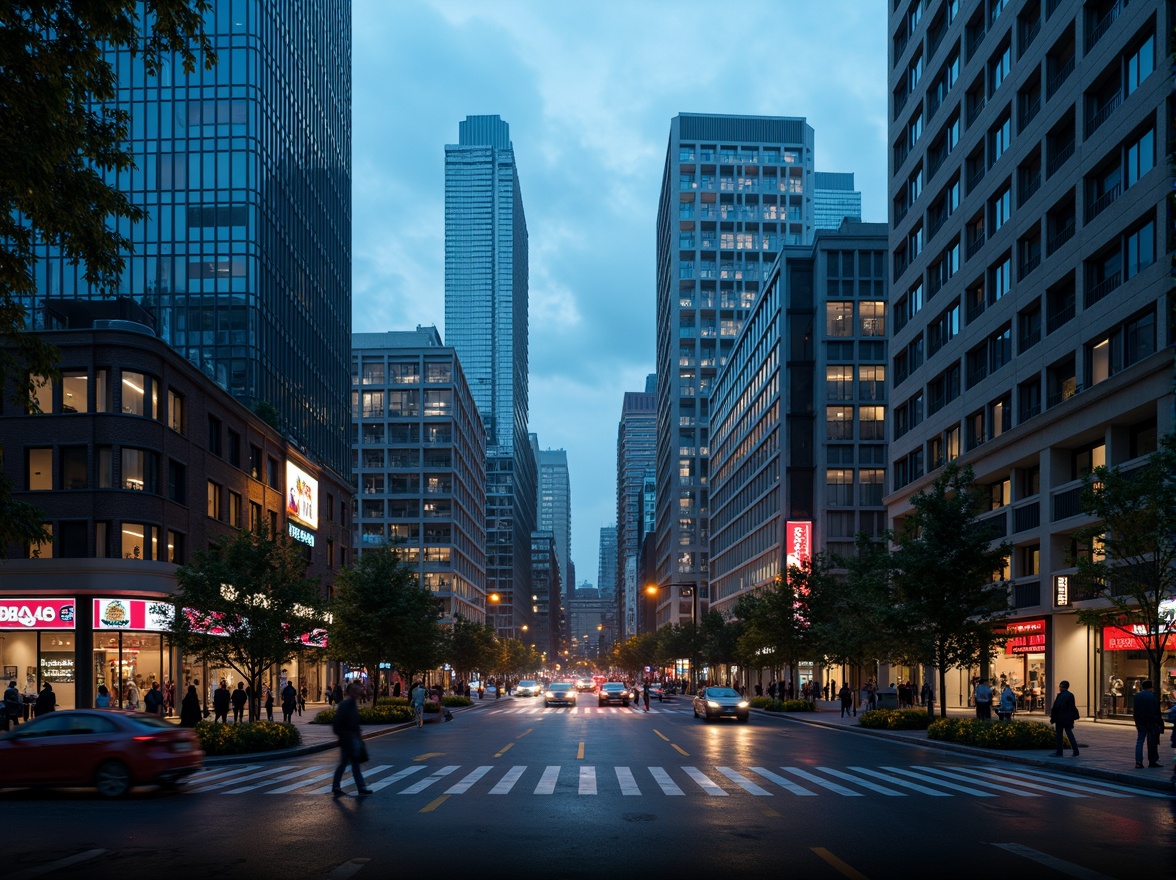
{"x": 580, "y": 751}
{"x": 662, "y": 735}
{"x": 434, "y": 804}
{"x": 841, "y": 866}
{"x": 60, "y": 863}
{"x": 680, "y": 750}
{"x": 1059, "y": 865}
{"x": 505, "y": 749}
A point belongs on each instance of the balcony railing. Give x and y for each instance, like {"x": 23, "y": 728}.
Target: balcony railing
{"x": 1104, "y": 287}
{"x": 1102, "y": 202}
{"x": 1100, "y": 29}
{"x": 1027, "y": 516}
{"x": 1029, "y": 264}
{"x": 975, "y": 242}
{"x": 1058, "y": 77}
{"x": 1060, "y": 237}
{"x": 975, "y": 178}
{"x": 1059, "y": 157}
{"x": 1059, "y": 318}
{"x": 1028, "y": 188}
{"x": 1027, "y": 595}
{"x": 1104, "y": 113}
{"x": 1067, "y": 503}
{"x": 1030, "y": 112}
{"x": 1029, "y": 35}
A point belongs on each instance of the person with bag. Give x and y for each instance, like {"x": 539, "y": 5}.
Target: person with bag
{"x": 289, "y": 703}
{"x": 269, "y": 703}
{"x": 1149, "y": 724}
{"x": 11, "y": 711}
{"x": 46, "y": 701}
{"x": 1007, "y": 705}
{"x": 153, "y": 701}
{"x": 351, "y": 747}
{"x": 239, "y": 699}
{"x": 190, "y": 711}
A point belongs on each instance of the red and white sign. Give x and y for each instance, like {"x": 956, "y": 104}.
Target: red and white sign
{"x": 1130, "y": 638}
{"x": 129, "y": 614}
{"x": 37, "y": 613}
{"x": 798, "y": 542}
{"x": 1025, "y": 637}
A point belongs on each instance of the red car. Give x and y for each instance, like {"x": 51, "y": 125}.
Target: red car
{"x": 109, "y": 749}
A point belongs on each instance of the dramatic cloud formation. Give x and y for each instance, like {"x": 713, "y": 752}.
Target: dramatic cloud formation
{"x": 589, "y": 90}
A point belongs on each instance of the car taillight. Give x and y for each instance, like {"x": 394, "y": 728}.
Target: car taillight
{"x": 146, "y": 738}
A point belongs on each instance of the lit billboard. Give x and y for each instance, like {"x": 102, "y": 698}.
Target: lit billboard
{"x": 301, "y": 496}
{"x": 799, "y": 542}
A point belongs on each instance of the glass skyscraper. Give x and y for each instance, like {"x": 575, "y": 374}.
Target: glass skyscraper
{"x": 244, "y": 260}
{"x": 735, "y": 190}
{"x": 555, "y": 507}
{"x": 486, "y": 278}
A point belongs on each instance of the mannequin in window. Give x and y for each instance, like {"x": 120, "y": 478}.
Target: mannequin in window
{"x": 1116, "y": 687}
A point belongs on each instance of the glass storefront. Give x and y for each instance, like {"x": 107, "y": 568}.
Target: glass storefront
{"x": 1021, "y": 664}
{"x": 1124, "y": 668}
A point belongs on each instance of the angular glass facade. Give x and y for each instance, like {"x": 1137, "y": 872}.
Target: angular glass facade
{"x": 244, "y": 259}
{"x": 486, "y": 278}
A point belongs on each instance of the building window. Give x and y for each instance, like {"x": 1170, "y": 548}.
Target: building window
{"x": 175, "y": 547}
{"x": 872, "y": 481}
{"x": 839, "y": 383}
{"x": 871, "y": 382}
{"x": 75, "y": 396}
{"x": 872, "y": 421}
{"x": 871, "y": 318}
{"x": 234, "y": 509}
{"x": 138, "y": 394}
{"x": 234, "y": 449}
{"x": 255, "y": 521}
{"x": 839, "y": 422}
{"x": 214, "y": 435}
{"x": 40, "y": 469}
{"x": 138, "y": 470}
{"x": 74, "y": 470}
{"x": 177, "y": 482}
{"x": 254, "y": 462}
{"x": 175, "y": 411}
{"x": 272, "y": 473}
{"x": 839, "y": 319}
{"x": 839, "y": 487}
{"x": 214, "y": 500}
{"x": 140, "y": 541}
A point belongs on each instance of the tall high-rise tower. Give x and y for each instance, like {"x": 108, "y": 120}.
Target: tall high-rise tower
{"x": 734, "y": 191}
{"x": 486, "y": 322}
{"x": 244, "y": 260}
{"x": 636, "y": 457}
{"x": 607, "y": 574}
{"x": 555, "y": 507}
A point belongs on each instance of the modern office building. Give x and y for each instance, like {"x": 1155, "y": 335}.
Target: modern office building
{"x": 835, "y": 199}
{"x": 606, "y": 575}
{"x": 555, "y": 504}
{"x": 244, "y": 259}
{"x": 1031, "y": 222}
{"x": 544, "y": 632}
{"x": 486, "y": 322}
{"x": 798, "y": 414}
{"x": 735, "y": 190}
{"x": 137, "y": 461}
{"x": 636, "y": 463}
{"x": 419, "y": 462}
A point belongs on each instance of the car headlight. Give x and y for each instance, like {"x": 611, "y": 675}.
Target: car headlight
{"x": 551, "y": 695}
{"x": 711, "y": 704}
{"x": 744, "y": 704}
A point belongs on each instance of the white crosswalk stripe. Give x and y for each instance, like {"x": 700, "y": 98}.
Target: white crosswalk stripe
{"x": 587, "y": 780}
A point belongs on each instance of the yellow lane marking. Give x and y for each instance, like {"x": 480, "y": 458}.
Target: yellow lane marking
{"x": 428, "y": 755}
{"x": 505, "y": 749}
{"x": 662, "y": 735}
{"x": 524, "y": 733}
{"x": 434, "y": 804}
{"x": 580, "y": 752}
{"x": 680, "y": 750}
{"x": 845, "y": 869}
{"x": 772, "y": 814}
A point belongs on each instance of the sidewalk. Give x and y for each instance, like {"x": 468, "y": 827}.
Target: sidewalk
{"x": 1106, "y": 748}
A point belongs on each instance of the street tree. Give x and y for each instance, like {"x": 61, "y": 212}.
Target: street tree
{"x": 776, "y": 621}
{"x": 382, "y": 615}
{"x": 473, "y": 647}
{"x": 246, "y": 604}
{"x": 946, "y": 577}
{"x": 1130, "y": 559}
{"x": 62, "y": 146}
{"x": 720, "y": 641}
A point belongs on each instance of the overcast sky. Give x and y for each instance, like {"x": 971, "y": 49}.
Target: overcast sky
{"x": 589, "y": 90}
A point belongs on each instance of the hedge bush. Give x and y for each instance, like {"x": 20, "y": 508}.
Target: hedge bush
{"x": 895, "y": 719}
{"x": 993, "y": 734}
{"x": 245, "y": 738}
{"x": 782, "y": 705}
{"x": 393, "y": 710}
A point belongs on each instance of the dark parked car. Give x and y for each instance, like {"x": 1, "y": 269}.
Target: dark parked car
{"x": 560, "y": 693}
{"x": 721, "y": 702}
{"x": 612, "y": 692}
{"x": 109, "y": 749}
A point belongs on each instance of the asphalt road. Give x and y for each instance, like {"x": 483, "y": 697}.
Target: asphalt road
{"x": 519, "y": 791}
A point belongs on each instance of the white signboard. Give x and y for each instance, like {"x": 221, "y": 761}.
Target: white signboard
{"x": 301, "y": 496}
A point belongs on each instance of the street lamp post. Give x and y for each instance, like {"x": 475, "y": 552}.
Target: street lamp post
{"x": 692, "y": 590}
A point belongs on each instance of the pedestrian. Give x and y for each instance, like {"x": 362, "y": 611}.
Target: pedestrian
{"x": 983, "y": 697}
{"x": 169, "y": 698}
{"x": 153, "y": 701}
{"x": 846, "y": 697}
{"x": 220, "y": 703}
{"x": 416, "y": 697}
{"x": 1149, "y": 724}
{"x": 46, "y": 701}
{"x": 1062, "y": 716}
{"x": 645, "y": 694}
{"x": 269, "y": 703}
{"x": 927, "y": 697}
{"x": 132, "y": 700}
{"x": 190, "y": 708}
{"x": 302, "y": 693}
{"x": 337, "y": 693}
{"x": 290, "y": 703}
{"x": 239, "y": 699}
{"x": 11, "y": 711}
{"x": 1008, "y": 703}
{"x": 772, "y": 688}
{"x": 351, "y": 748}
{"x": 481, "y": 688}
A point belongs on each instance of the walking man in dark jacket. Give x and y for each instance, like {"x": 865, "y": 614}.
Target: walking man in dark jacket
{"x": 220, "y": 702}
{"x": 1062, "y": 716}
{"x": 347, "y": 729}
{"x": 1149, "y": 724}
{"x": 289, "y": 703}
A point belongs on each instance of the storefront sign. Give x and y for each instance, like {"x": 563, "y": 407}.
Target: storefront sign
{"x": 1130, "y": 638}
{"x": 37, "y": 613}
{"x": 798, "y": 542}
{"x": 129, "y": 614}
{"x": 301, "y": 496}
{"x": 1024, "y": 637}
{"x": 1061, "y": 590}
{"x": 299, "y": 534}
{"x": 57, "y": 667}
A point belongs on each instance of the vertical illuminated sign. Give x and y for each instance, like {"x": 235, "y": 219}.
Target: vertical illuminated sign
{"x": 301, "y": 496}
{"x": 1061, "y": 590}
{"x": 798, "y": 542}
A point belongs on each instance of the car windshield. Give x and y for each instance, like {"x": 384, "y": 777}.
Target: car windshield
{"x": 613, "y": 686}
{"x": 526, "y": 683}
{"x": 561, "y": 685}
{"x": 717, "y": 693}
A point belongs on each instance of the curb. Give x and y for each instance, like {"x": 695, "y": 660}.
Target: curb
{"x": 1073, "y": 768}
